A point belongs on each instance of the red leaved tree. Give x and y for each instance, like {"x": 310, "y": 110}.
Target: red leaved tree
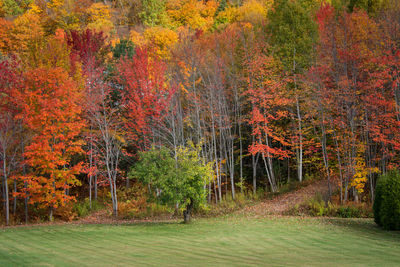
{"x": 146, "y": 95}
{"x": 269, "y": 104}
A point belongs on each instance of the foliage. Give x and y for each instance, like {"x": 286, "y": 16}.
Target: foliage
{"x": 387, "y": 201}
{"x": 100, "y": 18}
{"x": 84, "y": 208}
{"x": 318, "y": 207}
{"x": 50, "y": 109}
{"x": 198, "y": 15}
{"x": 361, "y": 173}
{"x": 124, "y": 48}
{"x": 27, "y": 31}
{"x": 13, "y": 8}
{"x": 88, "y": 46}
{"x": 146, "y": 93}
{"x": 293, "y": 33}
{"x": 153, "y": 13}
{"x": 254, "y": 11}
{"x": 178, "y": 180}
{"x": 6, "y": 43}
{"x": 67, "y": 212}
{"x": 160, "y": 40}
{"x": 269, "y": 89}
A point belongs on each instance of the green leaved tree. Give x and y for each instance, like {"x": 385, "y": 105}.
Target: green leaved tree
{"x": 175, "y": 180}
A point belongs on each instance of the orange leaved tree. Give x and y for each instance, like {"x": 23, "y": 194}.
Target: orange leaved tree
{"x": 51, "y": 111}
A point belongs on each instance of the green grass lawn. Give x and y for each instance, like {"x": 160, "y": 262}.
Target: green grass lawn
{"x": 213, "y": 242}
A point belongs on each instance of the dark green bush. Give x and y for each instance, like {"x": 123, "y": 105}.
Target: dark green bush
{"x": 387, "y": 201}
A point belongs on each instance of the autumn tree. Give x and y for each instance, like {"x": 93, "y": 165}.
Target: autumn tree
{"x": 50, "y": 107}
{"x": 293, "y": 33}
{"x": 107, "y": 137}
{"x": 145, "y": 95}
{"x": 269, "y": 103}
{"x": 88, "y": 52}
{"x": 359, "y": 99}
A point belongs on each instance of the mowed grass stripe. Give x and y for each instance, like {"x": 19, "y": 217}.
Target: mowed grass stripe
{"x": 214, "y": 242}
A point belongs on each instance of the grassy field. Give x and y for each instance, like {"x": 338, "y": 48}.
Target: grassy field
{"x": 213, "y": 242}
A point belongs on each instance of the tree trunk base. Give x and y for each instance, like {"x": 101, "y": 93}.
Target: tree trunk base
{"x": 187, "y": 212}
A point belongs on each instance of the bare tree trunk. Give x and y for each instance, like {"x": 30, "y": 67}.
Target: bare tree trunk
{"x": 51, "y": 207}
{"x": 51, "y": 213}
{"x": 241, "y": 157}
{"x": 90, "y": 169}
{"x": 187, "y": 213}
{"x": 254, "y": 161}
{"x": 300, "y": 158}
{"x": 216, "y": 158}
{"x": 7, "y": 201}
{"x": 340, "y": 167}
{"x": 326, "y": 162}
{"x": 26, "y": 202}
{"x": 95, "y": 186}
{"x": 90, "y": 191}
{"x": 26, "y": 198}
{"x": 15, "y": 197}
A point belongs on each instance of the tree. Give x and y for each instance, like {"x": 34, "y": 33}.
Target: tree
{"x": 160, "y": 41}
{"x": 124, "y": 48}
{"x": 100, "y": 18}
{"x": 355, "y": 84}
{"x": 88, "y": 51}
{"x": 198, "y": 15}
{"x": 293, "y": 33}
{"x": 50, "y": 108}
{"x": 266, "y": 93}
{"x": 153, "y": 13}
{"x": 6, "y": 44}
{"x": 145, "y": 95}
{"x": 108, "y": 133}
{"x": 89, "y": 47}
{"x": 175, "y": 181}
{"x": 27, "y": 31}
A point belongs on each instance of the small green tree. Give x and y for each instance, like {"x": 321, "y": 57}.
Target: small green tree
{"x": 180, "y": 179}
{"x": 123, "y": 48}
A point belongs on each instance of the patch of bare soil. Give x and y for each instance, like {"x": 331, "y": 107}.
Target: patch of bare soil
{"x": 282, "y": 203}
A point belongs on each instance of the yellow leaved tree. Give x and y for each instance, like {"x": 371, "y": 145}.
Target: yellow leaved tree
{"x": 27, "y": 32}
{"x": 361, "y": 173}
{"x": 192, "y": 13}
{"x": 159, "y": 40}
{"x": 100, "y": 18}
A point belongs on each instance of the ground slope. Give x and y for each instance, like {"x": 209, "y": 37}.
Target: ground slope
{"x": 280, "y": 204}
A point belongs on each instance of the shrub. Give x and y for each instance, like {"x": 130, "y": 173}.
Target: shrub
{"x": 387, "y": 201}
{"x": 316, "y": 206}
{"x": 66, "y": 213}
{"x": 348, "y": 212}
{"x": 83, "y": 209}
